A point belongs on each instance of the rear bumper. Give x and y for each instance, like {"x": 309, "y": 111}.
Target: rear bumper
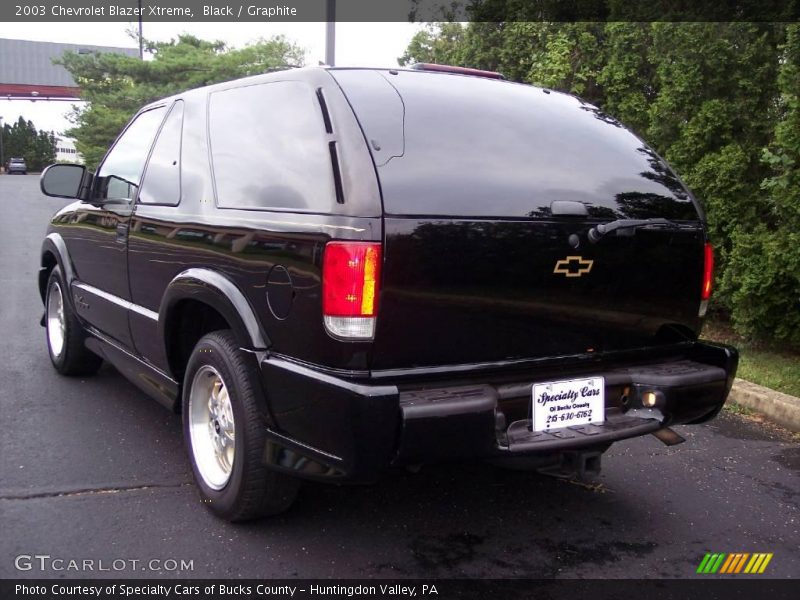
{"x": 332, "y": 428}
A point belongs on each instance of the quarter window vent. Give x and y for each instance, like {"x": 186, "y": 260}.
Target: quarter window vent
{"x": 325, "y": 115}
{"x": 337, "y": 175}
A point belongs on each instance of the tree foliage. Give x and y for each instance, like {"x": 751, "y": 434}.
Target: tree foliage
{"x": 763, "y": 273}
{"x": 116, "y": 86}
{"x": 23, "y": 140}
{"x": 718, "y": 100}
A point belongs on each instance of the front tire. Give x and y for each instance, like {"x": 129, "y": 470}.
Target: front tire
{"x": 65, "y": 334}
{"x": 225, "y": 435}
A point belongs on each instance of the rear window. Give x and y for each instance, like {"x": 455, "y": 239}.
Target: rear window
{"x": 268, "y": 148}
{"x": 470, "y": 146}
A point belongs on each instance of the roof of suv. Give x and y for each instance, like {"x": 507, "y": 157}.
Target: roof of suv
{"x": 314, "y": 71}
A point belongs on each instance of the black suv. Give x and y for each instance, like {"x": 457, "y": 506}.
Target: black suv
{"x": 330, "y": 271}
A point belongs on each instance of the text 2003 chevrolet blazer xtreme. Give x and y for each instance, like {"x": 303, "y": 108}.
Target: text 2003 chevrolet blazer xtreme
{"x": 330, "y": 271}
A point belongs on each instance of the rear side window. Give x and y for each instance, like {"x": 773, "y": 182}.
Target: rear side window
{"x": 269, "y": 150}
{"x": 162, "y": 180}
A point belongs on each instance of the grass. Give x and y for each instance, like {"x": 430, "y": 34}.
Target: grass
{"x": 737, "y": 409}
{"x": 781, "y": 373}
{"x": 775, "y": 368}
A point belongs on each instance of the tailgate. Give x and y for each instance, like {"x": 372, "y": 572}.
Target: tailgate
{"x": 476, "y": 291}
{"x": 489, "y": 190}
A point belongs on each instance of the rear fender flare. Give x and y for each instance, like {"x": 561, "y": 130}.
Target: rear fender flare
{"x": 221, "y": 294}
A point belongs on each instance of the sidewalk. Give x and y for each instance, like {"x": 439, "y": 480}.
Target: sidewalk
{"x": 780, "y": 408}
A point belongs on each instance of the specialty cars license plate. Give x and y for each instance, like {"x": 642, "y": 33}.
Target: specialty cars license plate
{"x": 557, "y": 404}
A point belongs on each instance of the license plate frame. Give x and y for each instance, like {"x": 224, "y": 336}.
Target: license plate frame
{"x": 567, "y": 403}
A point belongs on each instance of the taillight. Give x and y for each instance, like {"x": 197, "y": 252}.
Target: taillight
{"x": 708, "y": 271}
{"x": 708, "y": 278}
{"x": 350, "y": 285}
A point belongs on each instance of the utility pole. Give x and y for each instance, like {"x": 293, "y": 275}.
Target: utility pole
{"x": 2, "y": 131}
{"x": 330, "y": 32}
{"x": 141, "y": 43}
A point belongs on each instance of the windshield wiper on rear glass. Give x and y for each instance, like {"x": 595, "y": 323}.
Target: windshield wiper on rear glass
{"x": 598, "y": 231}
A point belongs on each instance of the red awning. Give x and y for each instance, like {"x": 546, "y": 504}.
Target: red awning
{"x": 21, "y": 90}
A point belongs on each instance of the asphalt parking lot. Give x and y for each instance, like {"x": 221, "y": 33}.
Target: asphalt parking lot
{"x": 92, "y": 469}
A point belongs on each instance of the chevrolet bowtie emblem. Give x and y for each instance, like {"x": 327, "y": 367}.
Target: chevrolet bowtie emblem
{"x": 573, "y": 266}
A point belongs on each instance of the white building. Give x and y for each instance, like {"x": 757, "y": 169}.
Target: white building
{"x": 66, "y": 152}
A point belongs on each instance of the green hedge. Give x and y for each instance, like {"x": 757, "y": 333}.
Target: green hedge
{"x": 718, "y": 100}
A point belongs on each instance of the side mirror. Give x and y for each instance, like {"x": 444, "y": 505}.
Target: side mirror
{"x": 64, "y": 181}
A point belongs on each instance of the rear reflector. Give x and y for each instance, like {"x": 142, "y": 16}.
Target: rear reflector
{"x": 350, "y": 286}
{"x": 708, "y": 272}
{"x": 354, "y": 328}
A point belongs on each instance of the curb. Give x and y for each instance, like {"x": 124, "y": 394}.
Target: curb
{"x": 780, "y": 408}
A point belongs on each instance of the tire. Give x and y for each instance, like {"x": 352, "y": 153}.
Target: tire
{"x": 64, "y": 333}
{"x": 225, "y": 435}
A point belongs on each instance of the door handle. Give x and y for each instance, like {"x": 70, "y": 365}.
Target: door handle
{"x": 122, "y": 233}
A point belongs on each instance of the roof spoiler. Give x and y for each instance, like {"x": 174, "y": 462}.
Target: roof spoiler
{"x": 457, "y": 70}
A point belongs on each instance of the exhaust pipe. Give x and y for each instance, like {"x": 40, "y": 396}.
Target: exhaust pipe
{"x": 668, "y": 437}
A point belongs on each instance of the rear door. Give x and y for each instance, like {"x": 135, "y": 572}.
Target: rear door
{"x": 159, "y": 196}
{"x": 490, "y": 189}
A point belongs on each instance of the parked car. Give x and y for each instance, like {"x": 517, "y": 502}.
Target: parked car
{"x": 17, "y": 165}
{"x": 330, "y": 271}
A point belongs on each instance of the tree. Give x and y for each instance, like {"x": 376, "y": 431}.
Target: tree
{"x": 628, "y": 77}
{"x": 764, "y": 264}
{"x": 116, "y": 86}
{"x": 708, "y": 96}
{"x": 22, "y": 139}
{"x": 438, "y": 43}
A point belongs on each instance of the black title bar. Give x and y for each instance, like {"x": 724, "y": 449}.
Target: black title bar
{"x": 399, "y": 10}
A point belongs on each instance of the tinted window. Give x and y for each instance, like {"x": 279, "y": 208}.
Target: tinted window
{"x": 121, "y": 171}
{"x": 269, "y": 150}
{"x": 162, "y": 182}
{"x": 471, "y": 146}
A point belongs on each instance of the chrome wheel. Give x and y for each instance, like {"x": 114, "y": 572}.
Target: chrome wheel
{"x": 56, "y": 323}
{"x": 211, "y": 427}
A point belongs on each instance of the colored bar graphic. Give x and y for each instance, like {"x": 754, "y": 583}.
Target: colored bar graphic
{"x": 755, "y": 559}
{"x": 741, "y": 562}
{"x": 767, "y": 558}
{"x": 711, "y": 563}
{"x": 703, "y": 563}
{"x": 728, "y": 564}
{"x": 757, "y": 565}
{"x": 734, "y": 563}
{"x": 716, "y": 565}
